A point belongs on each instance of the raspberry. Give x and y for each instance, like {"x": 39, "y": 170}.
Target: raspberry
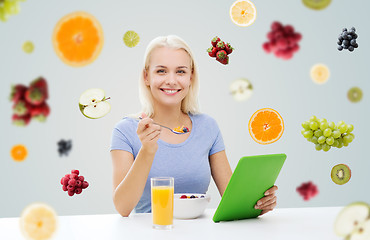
{"x": 78, "y": 190}
{"x": 75, "y": 171}
{"x": 307, "y": 190}
{"x": 69, "y": 187}
{"x": 78, "y": 183}
{"x": 74, "y": 176}
{"x": 65, "y": 181}
{"x": 64, "y": 187}
{"x": 81, "y": 178}
{"x": 85, "y": 184}
{"x": 183, "y": 196}
{"x": 72, "y": 182}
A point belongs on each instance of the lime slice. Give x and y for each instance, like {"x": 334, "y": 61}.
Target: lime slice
{"x": 28, "y": 47}
{"x": 38, "y": 221}
{"x": 131, "y": 39}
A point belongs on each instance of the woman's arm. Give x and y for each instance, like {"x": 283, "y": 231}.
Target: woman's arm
{"x": 129, "y": 176}
{"x": 220, "y": 170}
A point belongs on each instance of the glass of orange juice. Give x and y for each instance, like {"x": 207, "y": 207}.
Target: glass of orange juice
{"x": 162, "y": 202}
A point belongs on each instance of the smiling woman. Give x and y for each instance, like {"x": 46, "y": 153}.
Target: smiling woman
{"x": 142, "y": 150}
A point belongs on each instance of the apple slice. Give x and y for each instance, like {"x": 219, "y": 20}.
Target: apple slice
{"x": 241, "y": 89}
{"x": 362, "y": 232}
{"x": 350, "y": 218}
{"x": 93, "y": 103}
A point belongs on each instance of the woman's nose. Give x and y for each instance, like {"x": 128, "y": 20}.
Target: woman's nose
{"x": 171, "y": 79}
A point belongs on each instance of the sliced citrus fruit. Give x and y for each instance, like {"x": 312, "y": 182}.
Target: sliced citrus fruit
{"x": 38, "y": 221}
{"x": 78, "y": 39}
{"x": 320, "y": 73}
{"x": 19, "y": 153}
{"x": 131, "y": 39}
{"x": 266, "y": 126}
{"x": 28, "y": 47}
{"x": 316, "y": 4}
{"x": 243, "y": 13}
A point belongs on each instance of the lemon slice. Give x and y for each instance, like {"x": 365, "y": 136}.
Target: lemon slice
{"x": 28, "y": 47}
{"x": 320, "y": 73}
{"x": 131, "y": 39}
{"x": 38, "y": 221}
{"x": 243, "y": 13}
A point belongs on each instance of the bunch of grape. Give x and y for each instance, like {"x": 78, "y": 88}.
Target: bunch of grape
{"x": 73, "y": 183}
{"x": 9, "y": 7}
{"x": 326, "y": 134}
{"x": 347, "y": 39}
{"x": 282, "y": 41}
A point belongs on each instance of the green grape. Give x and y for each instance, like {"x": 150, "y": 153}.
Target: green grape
{"x": 336, "y": 133}
{"x": 347, "y": 139}
{"x": 318, "y": 147}
{"x": 327, "y": 132}
{"x": 321, "y": 139}
{"x": 343, "y": 128}
{"x": 306, "y": 125}
{"x": 340, "y": 123}
{"x": 326, "y": 147}
{"x": 308, "y": 134}
{"x": 318, "y": 133}
{"x": 349, "y": 128}
{"x": 330, "y": 141}
{"x": 345, "y": 144}
{"x": 303, "y": 130}
{"x": 323, "y": 120}
{"x": 336, "y": 143}
{"x": 313, "y": 139}
{"x": 313, "y": 118}
{"x": 314, "y": 125}
{"x": 3, "y": 15}
{"x": 323, "y": 126}
{"x": 332, "y": 125}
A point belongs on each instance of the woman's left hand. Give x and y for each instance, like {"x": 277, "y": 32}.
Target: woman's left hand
{"x": 267, "y": 203}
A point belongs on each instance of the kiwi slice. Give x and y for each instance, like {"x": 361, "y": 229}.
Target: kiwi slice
{"x": 340, "y": 174}
{"x": 316, "y": 4}
{"x": 354, "y": 94}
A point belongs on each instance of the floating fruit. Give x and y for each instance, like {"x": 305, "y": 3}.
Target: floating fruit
{"x": 340, "y": 174}
{"x": 78, "y": 39}
{"x": 320, "y": 73}
{"x": 316, "y": 4}
{"x": 19, "y": 153}
{"x": 266, "y": 126}
{"x": 241, "y": 89}
{"x": 93, "y": 103}
{"x": 354, "y": 94}
{"x": 131, "y": 39}
{"x": 243, "y": 13}
{"x": 28, "y": 47}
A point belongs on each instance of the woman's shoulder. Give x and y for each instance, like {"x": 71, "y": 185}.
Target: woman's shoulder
{"x": 203, "y": 118}
{"x": 127, "y": 124}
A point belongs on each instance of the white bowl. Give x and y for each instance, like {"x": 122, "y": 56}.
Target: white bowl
{"x": 189, "y": 208}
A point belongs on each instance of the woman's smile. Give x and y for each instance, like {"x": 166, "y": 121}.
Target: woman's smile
{"x": 169, "y": 91}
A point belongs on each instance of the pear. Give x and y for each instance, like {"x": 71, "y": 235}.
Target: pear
{"x": 350, "y": 218}
{"x": 93, "y": 103}
{"x": 362, "y": 232}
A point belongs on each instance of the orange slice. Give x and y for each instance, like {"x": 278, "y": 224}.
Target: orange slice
{"x": 18, "y": 153}
{"x": 38, "y": 221}
{"x": 266, "y": 126}
{"x": 243, "y": 13}
{"x": 78, "y": 39}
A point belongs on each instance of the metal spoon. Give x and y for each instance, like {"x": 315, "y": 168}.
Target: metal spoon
{"x": 176, "y": 132}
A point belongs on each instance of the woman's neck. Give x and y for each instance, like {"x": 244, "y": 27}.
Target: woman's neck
{"x": 171, "y": 117}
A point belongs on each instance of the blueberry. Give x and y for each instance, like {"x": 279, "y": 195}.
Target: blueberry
{"x": 353, "y": 42}
{"x": 344, "y": 29}
{"x": 340, "y": 38}
{"x": 345, "y": 46}
{"x": 356, "y": 45}
{"x": 340, "y": 48}
{"x": 346, "y": 43}
{"x": 353, "y": 29}
{"x": 339, "y": 42}
{"x": 351, "y": 48}
{"x": 349, "y": 36}
{"x": 355, "y": 36}
{"x": 192, "y": 196}
{"x": 345, "y": 36}
{"x": 202, "y": 196}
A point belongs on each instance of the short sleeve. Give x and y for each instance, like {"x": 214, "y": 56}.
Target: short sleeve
{"x": 218, "y": 144}
{"x": 120, "y": 142}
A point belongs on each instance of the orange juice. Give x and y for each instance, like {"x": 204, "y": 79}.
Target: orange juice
{"x": 162, "y": 205}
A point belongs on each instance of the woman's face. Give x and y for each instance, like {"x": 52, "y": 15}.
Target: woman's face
{"x": 169, "y": 75}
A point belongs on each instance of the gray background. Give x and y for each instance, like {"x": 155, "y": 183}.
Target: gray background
{"x": 285, "y": 86}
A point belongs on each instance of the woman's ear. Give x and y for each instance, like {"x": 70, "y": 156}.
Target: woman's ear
{"x": 145, "y": 75}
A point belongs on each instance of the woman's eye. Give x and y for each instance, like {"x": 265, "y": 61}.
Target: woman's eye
{"x": 160, "y": 71}
{"x": 181, "y": 71}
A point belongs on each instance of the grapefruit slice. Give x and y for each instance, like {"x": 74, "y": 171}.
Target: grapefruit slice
{"x": 243, "y": 13}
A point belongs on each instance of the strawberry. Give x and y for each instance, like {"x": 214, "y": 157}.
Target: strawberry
{"x": 40, "y": 112}
{"x": 17, "y": 92}
{"x": 222, "y": 57}
{"x": 41, "y": 84}
{"x": 212, "y": 51}
{"x": 35, "y": 96}
{"x": 220, "y": 45}
{"x": 215, "y": 40}
{"x": 228, "y": 48}
{"x": 21, "y": 108}
{"x": 21, "y": 120}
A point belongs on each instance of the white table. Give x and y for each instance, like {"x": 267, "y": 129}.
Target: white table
{"x": 284, "y": 224}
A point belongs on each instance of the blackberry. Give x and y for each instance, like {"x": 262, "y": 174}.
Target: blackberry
{"x": 64, "y": 147}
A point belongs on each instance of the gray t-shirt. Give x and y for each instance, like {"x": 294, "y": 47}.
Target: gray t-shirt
{"x": 186, "y": 162}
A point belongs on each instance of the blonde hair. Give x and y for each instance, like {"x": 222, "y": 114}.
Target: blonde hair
{"x": 190, "y": 102}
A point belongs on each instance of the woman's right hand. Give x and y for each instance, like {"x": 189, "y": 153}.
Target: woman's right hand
{"x": 148, "y": 134}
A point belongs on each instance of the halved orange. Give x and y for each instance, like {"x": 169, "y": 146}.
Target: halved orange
{"x": 78, "y": 39}
{"x": 19, "y": 153}
{"x": 243, "y": 13}
{"x": 266, "y": 126}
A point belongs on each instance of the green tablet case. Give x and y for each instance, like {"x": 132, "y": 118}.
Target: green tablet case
{"x": 252, "y": 177}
